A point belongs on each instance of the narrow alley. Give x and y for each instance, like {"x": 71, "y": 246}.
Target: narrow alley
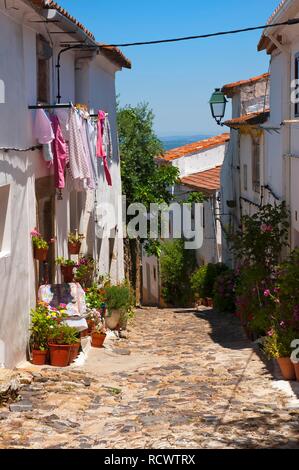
{"x": 182, "y": 379}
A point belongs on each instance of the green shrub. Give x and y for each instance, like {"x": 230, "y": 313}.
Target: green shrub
{"x": 224, "y": 292}
{"x": 118, "y": 297}
{"x": 63, "y": 334}
{"x": 203, "y": 279}
{"x": 177, "y": 264}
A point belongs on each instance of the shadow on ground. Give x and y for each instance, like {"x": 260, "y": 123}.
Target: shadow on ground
{"x": 234, "y": 337}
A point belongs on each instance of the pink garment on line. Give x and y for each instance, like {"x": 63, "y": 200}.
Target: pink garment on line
{"x": 101, "y": 153}
{"x": 100, "y": 147}
{"x": 60, "y": 154}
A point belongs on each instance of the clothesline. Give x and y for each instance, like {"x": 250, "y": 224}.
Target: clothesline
{"x": 59, "y": 106}
{"x": 74, "y": 144}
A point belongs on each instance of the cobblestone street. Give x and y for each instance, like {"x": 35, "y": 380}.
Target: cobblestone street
{"x": 182, "y": 379}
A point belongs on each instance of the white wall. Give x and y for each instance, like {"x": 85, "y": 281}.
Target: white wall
{"x": 200, "y": 161}
{"x": 20, "y": 171}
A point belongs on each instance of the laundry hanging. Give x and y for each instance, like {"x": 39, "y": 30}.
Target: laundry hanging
{"x": 103, "y": 138}
{"x": 44, "y": 134}
{"x": 60, "y": 153}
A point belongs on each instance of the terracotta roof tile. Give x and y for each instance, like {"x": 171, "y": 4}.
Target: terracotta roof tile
{"x": 248, "y": 119}
{"x": 277, "y": 10}
{"x": 265, "y": 42}
{"x": 195, "y": 147}
{"x": 206, "y": 181}
{"x": 231, "y": 86}
{"x": 112, "y": 53}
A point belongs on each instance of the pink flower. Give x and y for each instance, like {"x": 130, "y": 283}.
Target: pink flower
{"x": 267, "y": 293}
{"x": 34, "y": 233}
{"x": 266, "y": 228}
{"x": 62, "y": 305}
{"x": 270, "y": 332}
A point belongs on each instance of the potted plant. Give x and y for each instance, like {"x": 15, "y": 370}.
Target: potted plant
{"x": 67, "y": 268}
{"x": 74, "y": 242}
{"x": 41, "y": 323}
{"x": 40, "y": 246}
{"x": 98, "y": 335}
{"x": 62, "y": 340}
{"x": 277, "y": 345}
{"x": 118, "y": 299}
{"x": 85, "y": 271}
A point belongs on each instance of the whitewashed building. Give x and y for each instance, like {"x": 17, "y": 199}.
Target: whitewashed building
{"x": 32, "y": 37}
{"x": 282, "y": 147}
{"x": 244, "y": 185}
{"x": 199, "y": 167}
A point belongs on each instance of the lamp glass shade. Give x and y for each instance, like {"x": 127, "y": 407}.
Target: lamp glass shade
{"x": 218, "y": 104}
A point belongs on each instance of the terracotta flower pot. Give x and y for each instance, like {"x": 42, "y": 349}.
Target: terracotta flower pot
{"x": 59, "y": 354}
{"x": 97, "y": 339}
{"x": 39, "y": 358}
{"x": 287, "y": 368}
{"x": 68, "y": 273}
{"x": 74, "y": 248}
{"x": 209, "y": 302}
{"x": 41, "y": 253}
{"x": 74, "y": 351}
{"x": 296, "y": 367}
{"x": 112, "y": 319}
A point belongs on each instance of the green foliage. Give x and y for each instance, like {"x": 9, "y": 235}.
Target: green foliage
{"x": 224, "y": 292}
{"x": 153, "y": 248}
{"x": 118, "y": 297}
{"x": 63, "y": 334}
{"x": 196, "y": 198}
{"x": 143, "y": 181}
{"x": 64, "y": 262}
{"x": 278, "y": 342}
{"x": 177, "y": 265}
{"x": 287, "y": 289}
{"x": 41, "y": 324}
{"x": 253, "y": 308}
{"x": 74, "y": 237}
{"x": 40, "y": 243}
{"x": 203, "y": 279}
{"x": 263, "y": 235}
{"x": 95, "y": 297}
{"x": 85, "y": 271}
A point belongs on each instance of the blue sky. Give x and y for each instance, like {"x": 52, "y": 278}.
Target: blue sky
{"x": 178, "y": 79}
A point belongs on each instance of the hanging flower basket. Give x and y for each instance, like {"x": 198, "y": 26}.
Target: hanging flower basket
{"x": 39, "y": 358}
{"x": 68, "y": 273}
{"x": 74, "y": 248}
{"x": 41, "y": 253}
{"x": 97, "y": 339}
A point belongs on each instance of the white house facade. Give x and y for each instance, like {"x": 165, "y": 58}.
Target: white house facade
{"x": 244, "y": 185}
{"x": 282, "y": 147}
{"x": 32, "y": 36}
{"x": 199, "y": 167}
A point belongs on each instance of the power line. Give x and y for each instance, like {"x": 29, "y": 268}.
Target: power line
{"x": 204, "y": 36}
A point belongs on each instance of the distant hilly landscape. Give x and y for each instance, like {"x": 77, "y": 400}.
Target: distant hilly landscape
{"x": 171, "y": 142}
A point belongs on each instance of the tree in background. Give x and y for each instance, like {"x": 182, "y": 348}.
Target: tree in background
{"x": 143, "y": 180}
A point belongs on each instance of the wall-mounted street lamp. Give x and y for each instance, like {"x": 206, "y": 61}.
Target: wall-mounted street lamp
{"x": 218, "y": 105}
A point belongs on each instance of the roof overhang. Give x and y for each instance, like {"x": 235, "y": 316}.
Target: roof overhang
{"x": 287, "y": 9}
{"x": 248, "y": 120}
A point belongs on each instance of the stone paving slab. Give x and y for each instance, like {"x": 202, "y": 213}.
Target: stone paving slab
{"x": 189, "y": 379}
